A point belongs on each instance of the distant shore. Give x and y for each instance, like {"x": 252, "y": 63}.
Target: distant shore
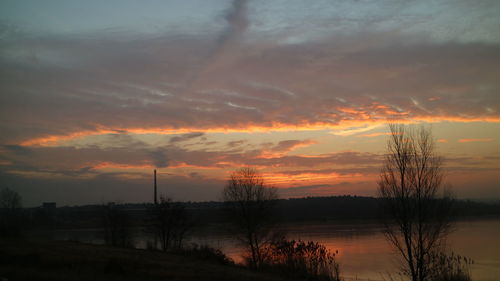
{"x": 309, "y": 209}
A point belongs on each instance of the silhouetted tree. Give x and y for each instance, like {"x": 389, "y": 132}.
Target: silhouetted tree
{"x": 116, "y": 224}
{"x": 419, "y": 217}
{"x": 169, "y": 222}
{"x": 10, "y": 212}
{"x": 250, "y": 204}
{"x": 9, "y": 199}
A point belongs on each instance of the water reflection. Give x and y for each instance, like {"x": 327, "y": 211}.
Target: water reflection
{"x": 365, "y": 254}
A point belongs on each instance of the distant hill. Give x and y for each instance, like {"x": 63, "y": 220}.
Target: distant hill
{"x": 338, "y": 208}
{"x": 288, "y": 210}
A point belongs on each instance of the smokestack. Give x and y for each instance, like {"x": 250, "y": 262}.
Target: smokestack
{"x": 156, "y": 201}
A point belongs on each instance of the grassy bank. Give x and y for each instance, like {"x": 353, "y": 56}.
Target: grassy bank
{"x": 58, "y": 260}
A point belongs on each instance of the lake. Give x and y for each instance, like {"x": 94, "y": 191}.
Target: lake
{"x": 365, "y": 254}
{"x": 363, "y": 251}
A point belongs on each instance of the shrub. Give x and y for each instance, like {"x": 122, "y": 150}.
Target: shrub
{"x": 205, "y": 252}
{"x": 449, "y": 267}
{"x": 308, "y": 260}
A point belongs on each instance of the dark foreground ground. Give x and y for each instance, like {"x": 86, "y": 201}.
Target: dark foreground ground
{"x": 58, "y": 260}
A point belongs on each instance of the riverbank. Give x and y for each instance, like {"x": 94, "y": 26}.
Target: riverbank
{"x": 62, "y": 260}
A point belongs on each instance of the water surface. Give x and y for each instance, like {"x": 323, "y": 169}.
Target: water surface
{"x": 363, "y": 252}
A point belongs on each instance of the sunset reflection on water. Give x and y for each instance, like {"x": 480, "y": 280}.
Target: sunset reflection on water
{"x": 363, "y": 252}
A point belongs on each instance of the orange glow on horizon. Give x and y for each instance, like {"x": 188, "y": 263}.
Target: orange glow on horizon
{"x": 275, "y": 179}
{"x": 281, "y": 180}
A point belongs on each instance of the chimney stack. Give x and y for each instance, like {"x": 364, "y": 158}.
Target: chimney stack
{"x": 156, "y": 200}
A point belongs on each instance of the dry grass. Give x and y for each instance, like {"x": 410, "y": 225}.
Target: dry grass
{"x": 56, "y": 260}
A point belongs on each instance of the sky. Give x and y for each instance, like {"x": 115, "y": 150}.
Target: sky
{"x": 94, "y": 95}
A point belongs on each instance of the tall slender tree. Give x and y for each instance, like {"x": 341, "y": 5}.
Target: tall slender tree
{"x": 418, "y": 210}
{"x": 250, "y": 204}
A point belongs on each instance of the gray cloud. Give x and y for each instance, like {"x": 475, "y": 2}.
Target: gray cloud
{"x": 82, "y": 160}
{"x": 287, "y": 145}
{"x": 237, "y": 23}
{"x": 122, "y": 86}
{"x": 160, "y": 159}
{"x": 185, "y": 137}
{"x": 16, "y": 149}
{"x": 237, "y": 143}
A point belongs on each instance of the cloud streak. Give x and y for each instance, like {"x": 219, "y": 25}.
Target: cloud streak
{"x": 475, "y": 140}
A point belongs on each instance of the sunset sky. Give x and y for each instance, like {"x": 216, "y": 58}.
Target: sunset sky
{"x": 94, "y": 95}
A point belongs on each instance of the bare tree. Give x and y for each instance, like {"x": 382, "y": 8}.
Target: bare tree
{"x": 170, "y": 223}
{"x": 250, "y": 204}
{"x": 418, "y": 216}
{"x": 9, "y": 199}
{"x": 116, "y": 224}
{"x": 10, "y": 212}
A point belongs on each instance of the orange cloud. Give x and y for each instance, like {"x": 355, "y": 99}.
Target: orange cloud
{"x": 54, "y": 139}
{"x": 442, "y": 140}
{"x": 359, "y": 123}
{"x": 110, "y": 165}
{"x": 374, "y": 110}
{"x": 375, "y": 135}
{"x": 197, "y": 167}
{"x": 475, "y": 140}
{"x": 274, "y": 127}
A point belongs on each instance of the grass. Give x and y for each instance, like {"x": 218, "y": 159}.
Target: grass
{"x": 61, "y": 260}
